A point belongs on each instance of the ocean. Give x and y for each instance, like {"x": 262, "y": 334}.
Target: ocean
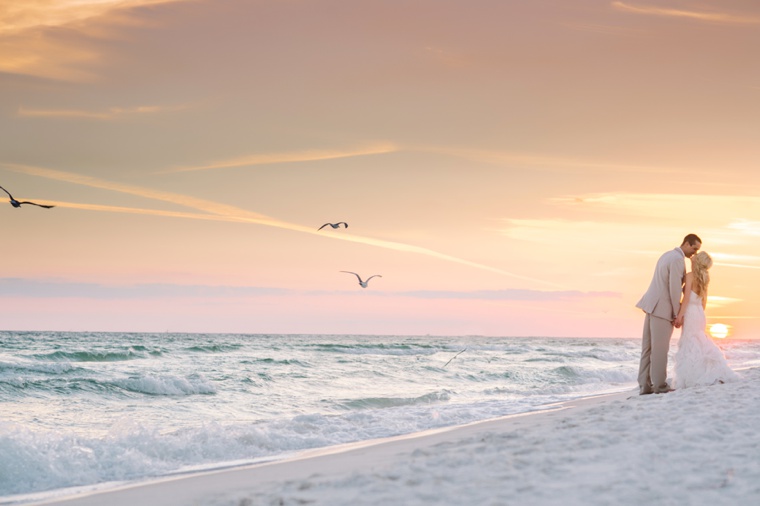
{"x": 82, "y": 409}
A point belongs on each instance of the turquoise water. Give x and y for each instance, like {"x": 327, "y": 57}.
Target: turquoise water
{"x": 90, "y": 408}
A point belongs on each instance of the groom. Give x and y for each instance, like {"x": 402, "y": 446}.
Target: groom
{"x": 661, "y": 303}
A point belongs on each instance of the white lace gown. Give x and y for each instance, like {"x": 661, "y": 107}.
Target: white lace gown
{"x": 698, "y": 360}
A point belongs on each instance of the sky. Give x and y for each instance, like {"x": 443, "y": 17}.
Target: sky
{"x": 509, "y": 167}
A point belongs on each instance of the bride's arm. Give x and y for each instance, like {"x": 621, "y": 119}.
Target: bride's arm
{"x": 686, "y": 294}
{"x": 704, "y": 299}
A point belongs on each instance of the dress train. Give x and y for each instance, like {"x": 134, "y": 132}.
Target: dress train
{"x": 698, "y": 360}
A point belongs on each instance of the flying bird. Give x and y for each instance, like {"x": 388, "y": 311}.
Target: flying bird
{"x": 16, "y": 203}
{"x": 334, "y": 225}
{"x": 363, "y": 284}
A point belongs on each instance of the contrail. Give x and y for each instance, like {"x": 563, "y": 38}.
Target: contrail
{"x": 718, "y": 17}
{"x": 301, "y": 156}
{"x": 225, "y": 212}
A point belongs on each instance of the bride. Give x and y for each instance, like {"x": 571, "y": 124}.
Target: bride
{"x": 698, "y": 361}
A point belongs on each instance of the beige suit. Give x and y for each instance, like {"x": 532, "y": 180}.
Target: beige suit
{"x": 661, "y": 303}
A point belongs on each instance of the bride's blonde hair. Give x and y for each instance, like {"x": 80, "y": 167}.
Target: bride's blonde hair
{"x": 701, "y": 262}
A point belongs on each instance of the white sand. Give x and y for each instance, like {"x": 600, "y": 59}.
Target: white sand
{"x": 698, "y": 446}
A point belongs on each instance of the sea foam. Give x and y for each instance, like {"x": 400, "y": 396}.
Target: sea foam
{"x": 87, "y": 408}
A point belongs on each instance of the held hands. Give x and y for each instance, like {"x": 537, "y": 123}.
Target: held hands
{"x": 678, "y": 322}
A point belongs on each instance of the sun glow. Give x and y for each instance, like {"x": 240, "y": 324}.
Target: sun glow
{"x": 719, "y": 330}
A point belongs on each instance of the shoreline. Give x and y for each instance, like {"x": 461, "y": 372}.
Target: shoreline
{"x": 300, "y": 465}
{"x": 693, "y": 446}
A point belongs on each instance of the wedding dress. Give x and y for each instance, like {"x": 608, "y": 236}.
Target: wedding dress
{"x": 698, "y": 360}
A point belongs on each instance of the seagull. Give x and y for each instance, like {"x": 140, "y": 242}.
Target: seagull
{"x": 363, "y": 284}
{"x": 334, "y": 225}
{"x": 16, "y": 203}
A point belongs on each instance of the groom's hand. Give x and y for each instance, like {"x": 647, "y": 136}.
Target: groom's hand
{"x": 678, "y": 322}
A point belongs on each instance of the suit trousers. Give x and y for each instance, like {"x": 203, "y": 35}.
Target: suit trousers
{"x": 655, "y": 344}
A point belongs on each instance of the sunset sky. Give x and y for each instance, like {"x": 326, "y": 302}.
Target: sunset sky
{"x": 510, "y": 167}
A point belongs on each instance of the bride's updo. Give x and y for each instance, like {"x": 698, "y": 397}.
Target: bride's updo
{"x": 700, "y": 264}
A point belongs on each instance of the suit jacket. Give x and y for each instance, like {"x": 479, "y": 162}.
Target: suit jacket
{"x": 663, "y": 298}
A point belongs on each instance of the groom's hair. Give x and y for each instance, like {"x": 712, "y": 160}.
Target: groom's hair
{"x": 691, "y": 239}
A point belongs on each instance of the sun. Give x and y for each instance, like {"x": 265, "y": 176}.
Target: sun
{"x": 719, "y": 330}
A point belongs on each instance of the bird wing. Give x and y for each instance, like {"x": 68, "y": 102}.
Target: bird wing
{"x": 6, "y": 191}
{"x": 355, "y": 274}
{"x": 323, "y": 226}
{"x": 35, "y": 204}
{"x": 374, "y": 276}
{"x": 344, "y": 223}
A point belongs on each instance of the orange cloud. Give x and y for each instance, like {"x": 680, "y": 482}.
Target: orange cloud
{"x": 31, "y": 44}
{"x": 715, "y": 17}
{"x": 716, "y": 208}
{"x": 108, "y": 114}
{"x": 22, "y": 15}
{"x": 38, "y": 55}
{"x": 716, "y": 301}
{"x": 543, "y": 161}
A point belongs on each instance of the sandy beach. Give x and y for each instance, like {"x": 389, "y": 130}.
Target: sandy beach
{"x": 692, "y": 446}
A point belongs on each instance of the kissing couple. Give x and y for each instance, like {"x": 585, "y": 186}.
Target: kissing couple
{"x": 676, "y": 299}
